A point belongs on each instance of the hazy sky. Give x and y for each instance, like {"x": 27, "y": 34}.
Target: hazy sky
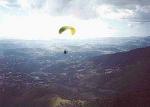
{"x": 41, "y": 19}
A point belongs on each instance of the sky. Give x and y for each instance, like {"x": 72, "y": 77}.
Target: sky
{"x": 41, "y": 19}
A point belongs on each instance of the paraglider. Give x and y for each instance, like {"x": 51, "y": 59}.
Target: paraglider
{"x": 64, "y": 28}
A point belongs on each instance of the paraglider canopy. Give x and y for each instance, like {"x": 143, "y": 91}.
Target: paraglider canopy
{"x": 64, "y": 28}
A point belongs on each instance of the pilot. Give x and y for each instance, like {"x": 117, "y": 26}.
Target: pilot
{"x": 65, "y": 51}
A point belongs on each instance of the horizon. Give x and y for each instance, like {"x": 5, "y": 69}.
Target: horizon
{"x": 70, "y": 38}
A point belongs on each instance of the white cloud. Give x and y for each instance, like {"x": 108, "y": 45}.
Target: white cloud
{"x": 110, "y": 12}
{"x": 92, "y": 18}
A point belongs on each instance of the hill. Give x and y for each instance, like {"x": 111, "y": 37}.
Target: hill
{"x": 131, "y": 81}
{"x": 124, "y": 58}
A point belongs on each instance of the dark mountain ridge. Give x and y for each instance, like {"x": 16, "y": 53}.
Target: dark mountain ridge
{"x": 124, "y": 58}
{"x": 131, "y": 81}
